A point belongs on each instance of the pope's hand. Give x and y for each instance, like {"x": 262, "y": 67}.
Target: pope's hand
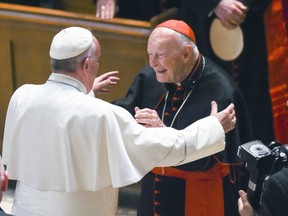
{"x": 103, "y": 81}
{"x": 226, "y": 117}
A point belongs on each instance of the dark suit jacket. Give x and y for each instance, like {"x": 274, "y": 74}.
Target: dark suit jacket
{"x": 275, "y": 195}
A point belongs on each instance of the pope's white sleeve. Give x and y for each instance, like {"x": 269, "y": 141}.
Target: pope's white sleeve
{"x": 91, "y": 94}
{"x": 202, "y": 138}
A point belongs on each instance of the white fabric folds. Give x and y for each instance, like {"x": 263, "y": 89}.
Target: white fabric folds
{"x": 57, "y": 138}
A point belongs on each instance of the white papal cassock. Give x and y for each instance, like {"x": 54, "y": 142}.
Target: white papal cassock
{"x": 69, "y": 151}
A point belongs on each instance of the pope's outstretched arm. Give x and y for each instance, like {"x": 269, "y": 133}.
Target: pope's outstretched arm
{"x": 204, "y": 137}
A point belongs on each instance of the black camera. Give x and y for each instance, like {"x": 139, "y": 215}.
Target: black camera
{"x": 261, "y": 162}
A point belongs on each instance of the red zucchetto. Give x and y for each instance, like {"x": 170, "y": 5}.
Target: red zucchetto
{"x": 179, "y": 26}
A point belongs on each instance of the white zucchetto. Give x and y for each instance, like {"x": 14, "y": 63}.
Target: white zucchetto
{"x": 70, "y": 42}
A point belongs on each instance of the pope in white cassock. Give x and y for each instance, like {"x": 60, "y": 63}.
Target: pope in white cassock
{"x": 70, "y": 151}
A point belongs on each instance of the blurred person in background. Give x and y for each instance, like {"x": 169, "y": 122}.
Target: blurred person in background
{"x": 132, "y": 9}
{"x": 37, "y": 3}
{"x": 249, "y": 68}
{"x": 274, "y": 196}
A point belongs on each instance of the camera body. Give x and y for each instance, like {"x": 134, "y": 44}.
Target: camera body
{"x": 261, "y": 161}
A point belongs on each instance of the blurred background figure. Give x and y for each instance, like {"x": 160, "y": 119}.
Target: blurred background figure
{"x": 250, "y": 69}
{"x": 38, "y": 3}
{"x": 133, "y": 9}
{"x": 274, "y": 196}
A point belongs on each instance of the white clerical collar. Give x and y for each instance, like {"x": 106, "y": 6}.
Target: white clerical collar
{"x": 67, "y": 80}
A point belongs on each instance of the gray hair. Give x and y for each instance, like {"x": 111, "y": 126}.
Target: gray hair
{"x": 71, "y": 64}
{"x": 183, "y": 40}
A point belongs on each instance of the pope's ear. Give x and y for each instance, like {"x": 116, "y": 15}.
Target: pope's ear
{"x": 85, "y": 63}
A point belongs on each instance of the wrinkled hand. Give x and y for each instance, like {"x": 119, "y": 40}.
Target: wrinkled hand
{"x": 231, "y": 13}
{"x": 148, "y": 117}
{"x": 3, "y": 180}
{"x": 244, "y": 207}
{"x": 107, "y": 79}
{"x": 106, "y": 9}
{"x": 226, "y": 117}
